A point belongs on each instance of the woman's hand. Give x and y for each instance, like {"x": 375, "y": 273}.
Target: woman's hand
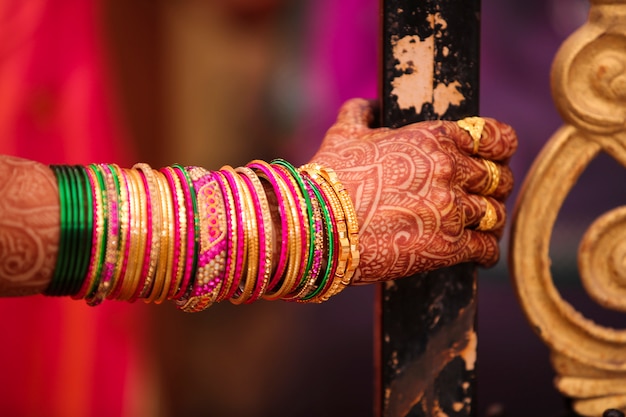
{"x": 419, "y": 192}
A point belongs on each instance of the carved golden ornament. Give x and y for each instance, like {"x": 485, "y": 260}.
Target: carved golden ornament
{"x": 589, "y": 89}
{"x": 474, "y": 126}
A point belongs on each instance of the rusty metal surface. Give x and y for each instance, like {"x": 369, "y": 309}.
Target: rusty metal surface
{"x": 426, "y": 336}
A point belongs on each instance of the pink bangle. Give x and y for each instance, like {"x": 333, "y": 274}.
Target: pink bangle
{"x": 177, "y": 270}
{"x": 251, "y": 257}
{"x": 145, "y": 283}
{"x": 163, "y": 268}
{"x": 318, "y": 245}
{"x": 213, "y": 214}
{"x": 125, "y": 233}
{"x": 333, "y": 247}
{"x": 112, "y": 237}
{"x": 304, "y": 235}
{"x": 265, "y": 229}
{"x": 231, "y": 236}
{"x": 264, "y": 171}
{"x": 241, "y": 247}
{"x": 289, "y": 280}
{"x": 343, "y": 250}
{"x": 137, "y": 231}
{"x": 192, "y": 238}
{"x": 97, "y": 235}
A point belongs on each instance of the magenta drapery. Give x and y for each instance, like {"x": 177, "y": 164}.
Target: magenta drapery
{"x": 59, "y": 357}
{"x": 339, "y": 61}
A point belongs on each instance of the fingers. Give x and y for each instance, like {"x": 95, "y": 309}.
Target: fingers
{"x": 482, "y": 248}
{"x": 485, "y": 220}
{"x": 484, "y": 214}
{"x": 494, "y": 140}
{"x": 485, "y": 177}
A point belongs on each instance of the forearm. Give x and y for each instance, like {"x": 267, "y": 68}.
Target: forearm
{"x": 188, "y": 235}
{"x": 29, "y": 226}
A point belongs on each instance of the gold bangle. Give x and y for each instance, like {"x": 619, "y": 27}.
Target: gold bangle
{"x": 133, "y": 237}
{"x": 231, "y": 210}
{"x": 240, "y": 251}
{"x": 304, "y": 235}
{"x": 290, "y": 278}
{"x": 214, "y": 216}
{"x": 180, "y": 215}
{"x": 335, "y": 285}
{"x": 319, "y": 236}
{"x": 154, "y": 226}
{"x": 124, "y": 220}
{"x": 163, "y": 272}
{"x": 153, "y": 291}
{"x": 264, "y": 217}
{"x": 290, "y": 243}
{"x": 138, "y": 235}
{"x": 251, "y": 240}
{"x": 100, "y": 235}
{"x": 344, "y": 210}
{"x": 351, "y": 221}
{"x": 112, "y": 235}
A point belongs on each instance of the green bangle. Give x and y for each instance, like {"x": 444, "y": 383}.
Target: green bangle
{"x": 194, "y": 202}
{"x": 309, "y": 209}
{"x": 75, "y": 229}
{"x": 85, "y": 229}
{"x": 100, "y": 257}
{"x": 58, "y": 284}
{"x": 59, "y": 270}
{"x": 330, "y": 236}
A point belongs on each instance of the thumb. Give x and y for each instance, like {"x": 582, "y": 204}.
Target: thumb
{"x": 357, "y": 114}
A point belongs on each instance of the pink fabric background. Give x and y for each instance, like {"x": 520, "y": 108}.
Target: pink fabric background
{"x": 59, "y": 357}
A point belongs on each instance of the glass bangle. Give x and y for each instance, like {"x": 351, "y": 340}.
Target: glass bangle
{"x": 58, "y": 276}
{"x": 86, "y": 229}
{"x": 329, "y": 222}
{"x": 101, "y": 255}
{"x": 265, "y": 172}
{"x": 75, "y": 229}
{"x": 310, "y": 247}
{"x": 193, "y": 230}
{"x": 265, "y": 227}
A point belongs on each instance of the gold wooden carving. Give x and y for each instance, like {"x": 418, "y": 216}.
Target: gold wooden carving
{"x": 589, "y": 89}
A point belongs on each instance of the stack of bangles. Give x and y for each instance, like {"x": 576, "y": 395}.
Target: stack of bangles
{"x": 197, "y": 237}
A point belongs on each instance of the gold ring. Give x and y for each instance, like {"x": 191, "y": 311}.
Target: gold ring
{"x": 474, "y": 126}
{"x": 493, "y": 180}
{"x": 490, "y": 218}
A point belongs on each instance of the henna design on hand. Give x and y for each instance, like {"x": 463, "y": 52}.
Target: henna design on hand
{"x": 29, "y": 226}
{"x": 416, "y": 191}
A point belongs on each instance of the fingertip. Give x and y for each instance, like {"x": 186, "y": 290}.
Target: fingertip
{"x": 484, "y": 248}
{"x": 496, "y": 140}
{"x": 499, "y": 141}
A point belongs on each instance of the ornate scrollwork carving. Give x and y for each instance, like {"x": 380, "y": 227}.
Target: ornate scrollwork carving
{"x": 589, "y": 89}
{"x": 602, "y": 260}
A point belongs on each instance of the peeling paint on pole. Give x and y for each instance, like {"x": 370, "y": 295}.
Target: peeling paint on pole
{"x": 415, "y": 61}
{"x": 426, "y": 324}
{"x": 430, "y": 69}
{"x": 413, "y": 86}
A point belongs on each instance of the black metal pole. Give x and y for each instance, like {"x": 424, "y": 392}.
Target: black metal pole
{"x": 426, "y": 324}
